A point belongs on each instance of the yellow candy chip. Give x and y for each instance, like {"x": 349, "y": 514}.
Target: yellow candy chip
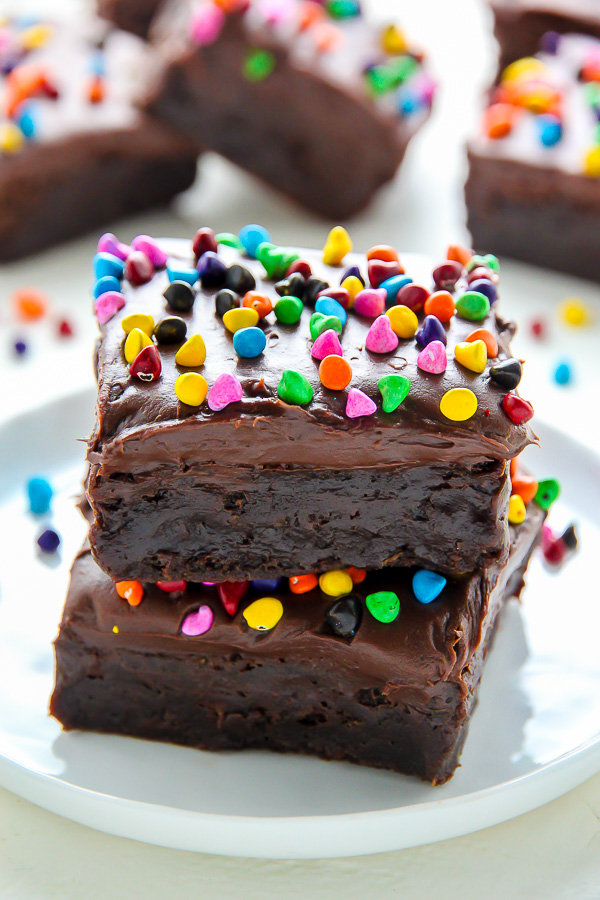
{"x": 574, "y": 312}
{"x": 393, "y": 40}
{"x": 516, "y": 510}
{"x": 353, "y": 285}
{"x": 139, "y": 320}
{"x": 403, "y": 321}
{"x": 263, "y": 614}
{"x": 243, "y": 317}
{"x": 472, "y": 356}
{"x": 35, "y": 36}
{"x": 338, "y": 243}
{"x": 191, "y": 388}
{"x": 335, "y": 583}
{"x": 11, "y": 138}
{"x": 135, "y": 342}
{"x": 458, "y": 404}
{"x": 192, "y": 353}
{"x": 528, "y": 67}
{"x": 591, "y": 162}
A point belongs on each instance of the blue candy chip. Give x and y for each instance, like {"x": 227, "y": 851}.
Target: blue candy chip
{"x": 107, "y": 264}
{"x": 330, "y": 307}
{"x": 249, "y": 342}
{"x": 562, "y": 373}
{"x": 427, "y": 585}
{"x": 265, "y": 584}
{"x": 190, "y": 276}
{"x": 251, "y": 237}
{"x": 39, "y": 493}
{"x": 392, "y": 285}
{"x": 549, "y": 129}
{"x": 105, "y": 284}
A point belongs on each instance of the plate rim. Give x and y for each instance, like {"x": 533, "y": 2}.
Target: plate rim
{"x": 314, "y": 836}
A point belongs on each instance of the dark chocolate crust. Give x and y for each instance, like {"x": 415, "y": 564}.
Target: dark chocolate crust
{"x": 130, "y": 15}
{"x": 322, "y": 142}
{"x": 519, "y": 25}
{"x": 396, "y": 696}
{"x": 265, "y": 488}
{"x": 88, "y": 163}
{"x": 508, "y": 198}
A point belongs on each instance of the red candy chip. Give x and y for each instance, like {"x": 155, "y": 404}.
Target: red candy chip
{"x": 553, "y": 548}
{"x": 147, "y": 365}
{"x": 230, "y": 594}
{"x": 538, "y": 328}
{"x": 379, "y": 271}
{"x": 340, "y": 294}
{"x": 170, "y": 587}
{"x": 204, "y": 240}
{"x": 518, "y": 410}
{"x": 413, "y": 296}
{"x": 138, "y": 268}
{"x": 301, "y": 266}
{"x": 65, "y": 329}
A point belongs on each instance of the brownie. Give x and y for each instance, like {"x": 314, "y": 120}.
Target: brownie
{"x": 397, "y": 695}
{"x": 130, "y": 15}
{"x": 316, "y": 107}
{"x": 538, "y": 161}
{"x": 271, "y": 485}
{"x": 75, "y": 153}
{"x": 520, "y": 25}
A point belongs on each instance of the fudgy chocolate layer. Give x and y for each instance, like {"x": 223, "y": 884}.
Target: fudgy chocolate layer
{"x": 520, "y": 24}
{"x": 397, "y": 695}
{"x": 508, "y": 198}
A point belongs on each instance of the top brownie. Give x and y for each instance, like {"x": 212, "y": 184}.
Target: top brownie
{"x": 285, "y": 467}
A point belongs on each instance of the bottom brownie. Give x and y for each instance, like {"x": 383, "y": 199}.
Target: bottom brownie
{"x": 395, "y": 695}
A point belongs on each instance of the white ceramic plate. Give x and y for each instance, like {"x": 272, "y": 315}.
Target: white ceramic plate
{"x": 534, "y": 735}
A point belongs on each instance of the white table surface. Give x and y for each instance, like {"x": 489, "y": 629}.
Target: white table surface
{"x": 551, "y": 853}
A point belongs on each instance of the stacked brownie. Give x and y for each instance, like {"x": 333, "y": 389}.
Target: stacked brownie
{"x": 303, "y": 520}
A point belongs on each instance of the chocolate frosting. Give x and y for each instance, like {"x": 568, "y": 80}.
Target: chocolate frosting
{"x": 147, "y": 419}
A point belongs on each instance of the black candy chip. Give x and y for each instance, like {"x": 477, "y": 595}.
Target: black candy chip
{"x": 239, "y": 280}
{"x": 569, "y": 538}
{"x": 293, "y": 286}
{"x": 226, "y": 300}
{"x": 344, "y": 616}
{"x": 180, "y": 296}
{"x": 507, "y": 373}
{"x": 170, "y": 330}
{"x": 313, "y": 287}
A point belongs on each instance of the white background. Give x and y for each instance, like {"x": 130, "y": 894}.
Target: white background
{"x": 551, "y": 853}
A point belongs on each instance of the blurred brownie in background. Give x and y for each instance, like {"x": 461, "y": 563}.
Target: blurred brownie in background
{"x": 519, "y": 25}
{"x": 130, "y": 15}
{"x": 311, "y": 97}
{"x": 533, "y": 190}
{"x": 75, "y": 153}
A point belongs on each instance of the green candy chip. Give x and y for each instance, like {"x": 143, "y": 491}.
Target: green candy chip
{"x": 547, "y": 492}
{"x": 229, "y": 240}
{"x": 288, "y": 310}
{"x": 320, "y": 323}
{"x": 293, "y": 388}
{"x": 383, "y": 606}
{"x": 276, "y": 260}
{"x": 473, "y": 305}
{"x": 258, "y": 65}
{"x": 394, "y": 390}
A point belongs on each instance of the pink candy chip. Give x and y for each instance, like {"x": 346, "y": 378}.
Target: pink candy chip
{"x": 148, "y": 245}
{"x": 198, "y": 622}
{"x": 358, "y": 404}
{"x": 108, "y": 243}
{"x": 370, "y": 302}
{"x": 206, "y": 25}
{"x": 226, "y": 389}
{"x": 381, "y": 337}
{"x": 433, "y": 358}
{"x": 327, "y": 344}
{"x": 108, "y": 305}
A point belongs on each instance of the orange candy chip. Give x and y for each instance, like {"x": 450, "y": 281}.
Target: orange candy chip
{"x": 30, "y": 304}
{"x": 385, "y": 253}
{"x": 514, "y": 466}
{"x": 335, "y": 373}
{"x": 95, "y": 90}
{"x": 301, "y": 584}
{"x": 132, "y": 591}
{"x": 459, "y": 254}
{"x": 259, "y": 302}
{"x": 480, "y": 334}
{"x": 441, "y": 305}
{"x": 525, "y": 486}
{"x": 498, "y": 120}
{"x": 357, "y": 575}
